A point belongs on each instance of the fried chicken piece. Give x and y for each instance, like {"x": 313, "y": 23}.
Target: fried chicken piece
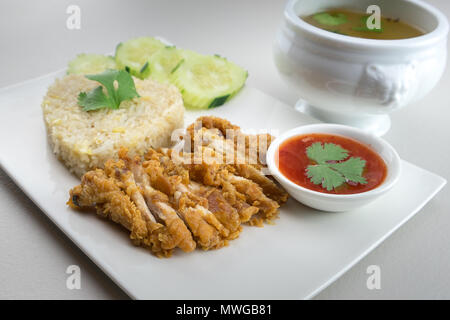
{"x": 125, "y": 179}
{"x": 221, "y": 148}
{"x": 219, "y": 206}
{"x": 198, "y": 218}
{"x": 195, "y": 201}
{"x": 183, "y": 185}
{"x": 167, "y": 166}
{"x": 159, "y": 205}
{"x": 207, "y": 230}
{"x": 269, "y": 187}
{"x": 238, "y": 201}
{"x": 102, "y": 192}
{"x": 210, "y": 122}
{"x": 210, "y": 175}
{"x": 254, "y": 194}
{"x": 118, "y": 170}
{"x": 255, "y": 146}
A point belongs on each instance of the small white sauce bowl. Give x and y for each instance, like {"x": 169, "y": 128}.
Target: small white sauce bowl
{"x": 336, "y": 202}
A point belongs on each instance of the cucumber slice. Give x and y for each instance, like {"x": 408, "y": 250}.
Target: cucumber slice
{"x": 133, "y": 55}
{"x": 207, "y": 81}
{"x": 91, "y": 64}
{"x": 165, "y": 62}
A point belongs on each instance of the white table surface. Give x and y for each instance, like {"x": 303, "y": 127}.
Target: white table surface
{"x": 34, "y": 254}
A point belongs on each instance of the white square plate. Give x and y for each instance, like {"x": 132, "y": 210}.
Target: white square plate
{"x": 304, "y": 252}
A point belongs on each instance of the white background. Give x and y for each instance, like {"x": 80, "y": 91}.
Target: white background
{"x": 34, "y": 254}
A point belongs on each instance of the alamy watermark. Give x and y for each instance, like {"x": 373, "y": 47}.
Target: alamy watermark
{"x": 73, "y": 281}
{"x": 374, "y": 280}
{"x": 374, "y": 20}
{"x": 73, "y": 22}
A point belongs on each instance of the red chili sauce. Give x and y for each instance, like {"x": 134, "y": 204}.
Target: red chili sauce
{"x": 293, "y": 162}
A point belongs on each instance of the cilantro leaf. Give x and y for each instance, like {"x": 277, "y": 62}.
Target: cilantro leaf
{"x": 328, "y": 171}
{"x": 97, "y": 99}
{"x": 126, "y": 89}
{"x": 330, "y": 19}
{"x": 351, "y": 169}
{"x": 324, "y": 175}
{"x": 93, "y": 100}
{"x": 327, "y": 152}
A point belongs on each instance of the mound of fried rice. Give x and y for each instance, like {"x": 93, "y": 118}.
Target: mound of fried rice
{"x": 84, "y": 140}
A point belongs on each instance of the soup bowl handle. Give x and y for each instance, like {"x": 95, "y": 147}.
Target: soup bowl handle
{"x": 390, "y": 86}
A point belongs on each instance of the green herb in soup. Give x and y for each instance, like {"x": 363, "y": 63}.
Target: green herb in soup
{"x": 354, "y": 24}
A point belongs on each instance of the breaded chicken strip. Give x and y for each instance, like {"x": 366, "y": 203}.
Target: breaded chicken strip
{"x": 210, "y": 122}
{"x": 220, "y": 207}
{"x": 269, "y": 187}
{"x": 241, "y": 162}
{"x": 127, "y": 182}
{"x": 268, "y": 208}
{"x": 207, "y": 230}
{"x": 196, "y": 217}
{"x": 159, "y": 205}
{"x": 217, "y": 175}
{"x": 99, "y": 191}
{"x": 238, "y": 201}
{"x": 252, "y": 144}
{"x": 211, "y": 174}
{"x": 215, "y": 202}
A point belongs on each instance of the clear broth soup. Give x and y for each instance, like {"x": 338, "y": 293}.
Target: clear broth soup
{"x": 354, "y": 24}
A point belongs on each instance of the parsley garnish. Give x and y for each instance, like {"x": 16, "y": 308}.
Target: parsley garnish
{"x": 97, "y": 99}
{"x": 328, "y": 171}
{"x": 330, "y": 19}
